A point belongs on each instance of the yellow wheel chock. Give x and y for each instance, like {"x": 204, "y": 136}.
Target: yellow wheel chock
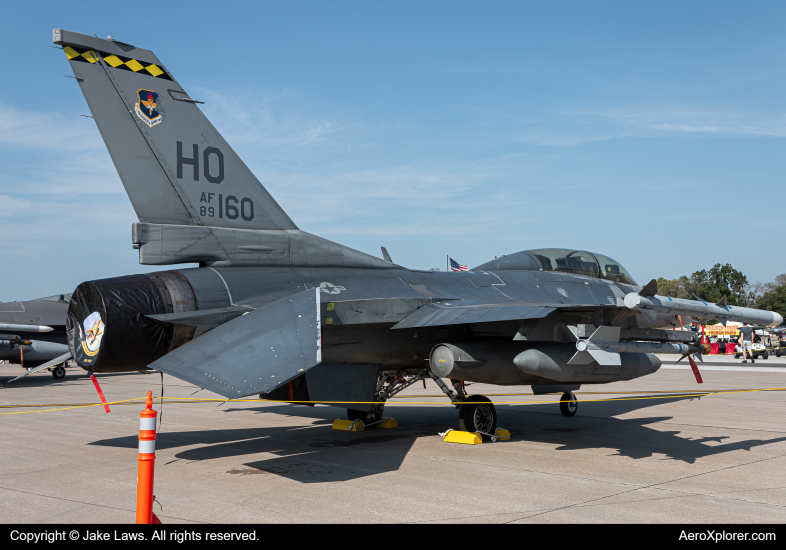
{"x": 358, "y": 425}
{"x": 468, "y": 438}
{"x": 348, "y": 425}
{"x": 473, "y": 438}
{"x": 387, "y": 423}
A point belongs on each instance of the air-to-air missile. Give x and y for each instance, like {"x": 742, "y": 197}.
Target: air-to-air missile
{"x": 25, "y": 328}
{"x": 701, "y": 309}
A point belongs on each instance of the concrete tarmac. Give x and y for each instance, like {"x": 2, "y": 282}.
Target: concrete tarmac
{"x": 662, "y": 457}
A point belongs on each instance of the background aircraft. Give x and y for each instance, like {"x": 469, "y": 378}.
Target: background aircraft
{"x": 276, "y": 311}
{"x": 33, "y": 332}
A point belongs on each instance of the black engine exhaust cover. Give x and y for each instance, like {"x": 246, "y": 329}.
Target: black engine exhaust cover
{"x": 107, "y": 328}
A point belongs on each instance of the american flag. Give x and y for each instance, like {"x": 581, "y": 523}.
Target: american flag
{"x": 455, "y": 266}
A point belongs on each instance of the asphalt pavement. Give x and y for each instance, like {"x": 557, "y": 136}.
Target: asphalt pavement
{"x": 656, "y": 449}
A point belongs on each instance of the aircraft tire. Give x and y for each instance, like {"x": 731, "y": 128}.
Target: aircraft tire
{"x": 568, "y": 405}
{"x": 481, "y": 417}
{"x": 58, "y": 372}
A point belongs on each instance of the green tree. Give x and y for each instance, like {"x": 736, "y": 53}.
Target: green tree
{"x": 712, "y": 284}
{"x": 774, "y": 298}
{"x": 676, "y": 288}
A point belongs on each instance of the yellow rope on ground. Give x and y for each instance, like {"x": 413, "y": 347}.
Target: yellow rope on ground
{"x": 202, "y": 400}
{"x": 69, "y": 408}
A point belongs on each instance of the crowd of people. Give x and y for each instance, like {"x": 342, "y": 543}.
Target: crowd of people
{"x": 731, "y": 344}
{"x": 721, "y": 344}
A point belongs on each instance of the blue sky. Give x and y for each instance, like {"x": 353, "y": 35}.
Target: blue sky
{"x": 653, "y": 133}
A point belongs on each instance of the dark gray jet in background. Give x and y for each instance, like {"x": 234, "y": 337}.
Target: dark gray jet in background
{"x": 33, "y": 332}
{"x": 277, "y": 312}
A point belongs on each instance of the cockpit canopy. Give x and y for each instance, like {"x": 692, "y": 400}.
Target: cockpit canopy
{"x": 562, "y": 259}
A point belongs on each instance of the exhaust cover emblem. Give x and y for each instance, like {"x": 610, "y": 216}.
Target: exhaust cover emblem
{"x": 94, "y": 331}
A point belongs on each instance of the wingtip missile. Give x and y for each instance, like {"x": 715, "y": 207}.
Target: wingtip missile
{"x": 25, "y": 328}
{"x": 650, "y": 306}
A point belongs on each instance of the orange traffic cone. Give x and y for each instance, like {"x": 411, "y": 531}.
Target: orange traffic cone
{"x": 147, "y": 460}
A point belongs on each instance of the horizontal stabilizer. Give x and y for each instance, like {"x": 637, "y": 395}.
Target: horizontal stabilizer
{"x": 47, "y": 365}
{"x": 254, "y": 353}
{"x": 463, "y": 311}
{"x": 205, "y": 318}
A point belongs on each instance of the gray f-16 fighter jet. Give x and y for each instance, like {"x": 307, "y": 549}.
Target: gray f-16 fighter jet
{"x": 277, "y": 312}
{"x": 32, "y": 332}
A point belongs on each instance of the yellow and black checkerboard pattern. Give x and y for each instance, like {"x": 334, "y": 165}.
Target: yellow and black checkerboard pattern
{"x": 116, "y": 61}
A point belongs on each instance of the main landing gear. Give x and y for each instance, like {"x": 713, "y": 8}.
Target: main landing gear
{"x": 367, "y": 417}
{"x": 476, "y": 412}
{"x": 58, "y": 372}
{"x": 479, "y": 415}
{"x": 389, "y": 384}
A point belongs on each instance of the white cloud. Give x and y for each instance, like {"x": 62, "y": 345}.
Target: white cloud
{"x": 268, "y": 120}
{"x": 569, "y": 127}
{"x": 12, "y": 206}
{"x": 668, "y": 119}
{"x": 47, "y": 130}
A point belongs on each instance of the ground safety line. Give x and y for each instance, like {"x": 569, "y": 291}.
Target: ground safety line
{"x": 452, "y": 403}
{"x": 124, "y": 401}
{"x": 166, "y": 402}
{"x": 576, "y": 393}
{"x": 174, "y": 400}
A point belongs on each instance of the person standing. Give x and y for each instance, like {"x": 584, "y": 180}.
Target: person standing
{"x": 746, "y": 338}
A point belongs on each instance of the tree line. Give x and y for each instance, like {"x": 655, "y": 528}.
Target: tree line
{"x": 711, "y": 284}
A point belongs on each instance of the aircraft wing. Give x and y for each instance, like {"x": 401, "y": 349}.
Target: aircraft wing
{"x": 472, "y": 311}
{"x": 254, "y": 353}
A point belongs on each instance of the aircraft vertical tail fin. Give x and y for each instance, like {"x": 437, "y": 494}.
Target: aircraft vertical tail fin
{"x": 175, "y": 166}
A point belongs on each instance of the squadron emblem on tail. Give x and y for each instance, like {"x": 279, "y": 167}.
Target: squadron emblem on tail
{"x": 148, "y": 109}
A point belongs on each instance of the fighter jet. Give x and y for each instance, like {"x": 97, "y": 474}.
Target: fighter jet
{"x": 32, "y": 332}
{"x": 277, "y": 312}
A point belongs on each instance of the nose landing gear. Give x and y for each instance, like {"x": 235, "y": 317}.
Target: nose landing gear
{"x": 58, "y": 372}
{"x": 568, "y": 405}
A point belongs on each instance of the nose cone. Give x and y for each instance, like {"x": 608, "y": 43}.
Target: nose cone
{"x": 777, "y": 319}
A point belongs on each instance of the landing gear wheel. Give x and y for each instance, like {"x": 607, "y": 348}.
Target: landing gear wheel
{"x": 481, "y": 417}
{"x": 58, "y": 372}
{"x": 374, "y": 415}
{"x": 568, "y": 404}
